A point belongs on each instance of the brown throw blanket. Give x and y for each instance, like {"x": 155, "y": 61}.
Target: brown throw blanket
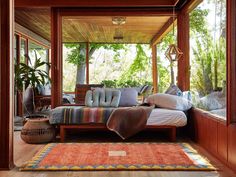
{"x": 129, "y": 120}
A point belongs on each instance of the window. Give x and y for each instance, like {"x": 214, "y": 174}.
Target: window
{"x": 208, "y": 56}
{"x": 23, "y": 49}
{"x": 38, "y": 51}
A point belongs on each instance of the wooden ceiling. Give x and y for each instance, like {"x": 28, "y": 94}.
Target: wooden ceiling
{"x": 137, "y": 29}
{"x": 99, "y": 29}
{"x": 154, "y": 18}
{"x": 35, "y": 19}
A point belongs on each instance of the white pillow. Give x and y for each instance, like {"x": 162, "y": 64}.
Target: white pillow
{"x": 169, "y": 101}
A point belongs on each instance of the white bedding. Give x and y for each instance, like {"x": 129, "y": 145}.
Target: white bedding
{"x": 169, "y": 117}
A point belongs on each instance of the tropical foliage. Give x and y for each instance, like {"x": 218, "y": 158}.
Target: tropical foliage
{"x": 208, "y": 62}
{"x": 32, "y": 74}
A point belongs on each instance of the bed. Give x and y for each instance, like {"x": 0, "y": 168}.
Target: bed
{"x": 96, "y": 118}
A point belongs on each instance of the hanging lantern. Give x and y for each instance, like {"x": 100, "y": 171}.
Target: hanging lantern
{"x": 173, "y": 53}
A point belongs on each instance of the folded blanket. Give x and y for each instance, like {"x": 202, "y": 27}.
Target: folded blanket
{"x": 128, "y": 121}
{"x": 75, "y": 115}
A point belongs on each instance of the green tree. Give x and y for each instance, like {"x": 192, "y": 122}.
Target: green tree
{"x": 77, "y": 56}
{"x": 209, "y": 59}
{"x": 138, "y": 70}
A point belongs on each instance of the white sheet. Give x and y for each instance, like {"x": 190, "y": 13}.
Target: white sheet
{"x": 169, "y": 117}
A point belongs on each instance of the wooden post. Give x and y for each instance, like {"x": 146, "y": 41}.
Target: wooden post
{"x": 154, "y": 69}
{"x": 183, "y": 77}
{"x": 6, "y": 84}
{"x": 231, "y": 61}
{"x": 87, "y": 63}
{"x": 56, "y": 57}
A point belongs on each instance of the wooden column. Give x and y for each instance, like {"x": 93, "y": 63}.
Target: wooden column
{"x": 56, "y": 57}
{"x": 87, "y": 63}
{"x": 154, "y": 69}
{"x": 231, "y": 61}
{"x": 6, "y": 84}
{"x": 183, "y": 77}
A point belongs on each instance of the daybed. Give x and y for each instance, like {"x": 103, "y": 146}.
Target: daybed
{"x": 82, "y": 117}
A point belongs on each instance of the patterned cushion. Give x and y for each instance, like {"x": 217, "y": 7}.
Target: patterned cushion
{"x": 102, "y": 98}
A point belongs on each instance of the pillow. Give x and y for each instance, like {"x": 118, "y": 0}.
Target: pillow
{"x": 187, "y": 95}
{"x": 128, "y": 97}
{"x": 102, "y": 97}
{"x": 174, "y": 90}
{"x": 169, "y": 101}
{"x": 143, "y": 89}
{"x": 213, "y": 101}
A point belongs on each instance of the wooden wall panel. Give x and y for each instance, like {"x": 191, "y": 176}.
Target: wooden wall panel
{"x": 215, "y": 136}
{"x": 222, "y": 142}
{"x": 211, "y": 135}
{"x": 6, "y": 84}
{"x": 232, "y": 146}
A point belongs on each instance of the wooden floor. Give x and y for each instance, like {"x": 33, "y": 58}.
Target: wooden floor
{"x": 24, "y": 152}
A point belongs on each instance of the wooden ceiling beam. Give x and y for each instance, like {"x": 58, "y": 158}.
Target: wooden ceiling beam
{"x": 162, "y": 32}
{"x": 95, "y": 3}
{"x": 190, "y": 5}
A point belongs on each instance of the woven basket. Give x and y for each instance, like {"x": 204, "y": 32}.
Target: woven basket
{"x": 37, "y": 131}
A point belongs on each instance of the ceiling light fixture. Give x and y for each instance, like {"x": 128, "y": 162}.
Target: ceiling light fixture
{"x": 118, "y": 20}
{"x": 118, "y": 35}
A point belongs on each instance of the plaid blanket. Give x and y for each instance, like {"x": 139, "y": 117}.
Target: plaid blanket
{"x": 80, "y": 115}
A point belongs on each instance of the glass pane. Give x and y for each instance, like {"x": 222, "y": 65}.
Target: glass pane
{"x": 15, "y": 49}
{"x": 74, "y": 69}
{"x": 208, "y": 57}
{"x": 167, "y": 71}
{"x": 120, "y": 65}
{"x": 22, "y": 50}
{"x": 39, "y": 52}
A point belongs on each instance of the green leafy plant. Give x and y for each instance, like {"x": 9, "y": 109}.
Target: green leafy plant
{"x": 32, "y": 75}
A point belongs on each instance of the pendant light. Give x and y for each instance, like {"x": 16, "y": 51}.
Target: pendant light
{"x": 173, "y": 53}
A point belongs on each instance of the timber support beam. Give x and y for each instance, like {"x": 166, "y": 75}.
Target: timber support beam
{"x": 154, "y": 69}
{"x": 6, "y": 85}
{"x": 183, "y": 79}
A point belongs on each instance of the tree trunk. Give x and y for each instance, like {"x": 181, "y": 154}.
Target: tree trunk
{"x": 80, "y": 76}
{"x": 172, "y": 74}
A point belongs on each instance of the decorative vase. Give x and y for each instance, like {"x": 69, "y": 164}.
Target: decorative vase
{"x": 37, "y": 130}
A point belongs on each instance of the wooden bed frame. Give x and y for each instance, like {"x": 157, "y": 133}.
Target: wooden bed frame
{"x": 63, "y": 128}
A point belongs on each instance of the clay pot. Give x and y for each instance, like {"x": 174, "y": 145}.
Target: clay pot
{"x": 37, "y": 130}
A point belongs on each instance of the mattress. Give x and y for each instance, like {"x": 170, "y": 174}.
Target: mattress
{"x": 81, "y": 115}
{"x": 169, "y": 117}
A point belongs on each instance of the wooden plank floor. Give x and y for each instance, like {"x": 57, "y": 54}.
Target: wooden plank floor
{"x": 24, "y": 152}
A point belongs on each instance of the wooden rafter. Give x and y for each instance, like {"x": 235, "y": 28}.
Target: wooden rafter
{"x": 167, "y": 27}
{"x": 95, "y": 3}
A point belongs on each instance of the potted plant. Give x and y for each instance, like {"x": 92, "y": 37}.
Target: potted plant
{"x": 30, "y": 75}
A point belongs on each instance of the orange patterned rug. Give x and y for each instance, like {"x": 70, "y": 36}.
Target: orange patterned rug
{"x": 118, "y": 156}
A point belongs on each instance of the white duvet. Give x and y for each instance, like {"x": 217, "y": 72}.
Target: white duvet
{"x": 169, "y": 117}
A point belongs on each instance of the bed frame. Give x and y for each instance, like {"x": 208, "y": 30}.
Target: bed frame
{"x": 63, "y": 128}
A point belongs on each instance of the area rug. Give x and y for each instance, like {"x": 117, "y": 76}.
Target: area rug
{"x": 118, "y": 156}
